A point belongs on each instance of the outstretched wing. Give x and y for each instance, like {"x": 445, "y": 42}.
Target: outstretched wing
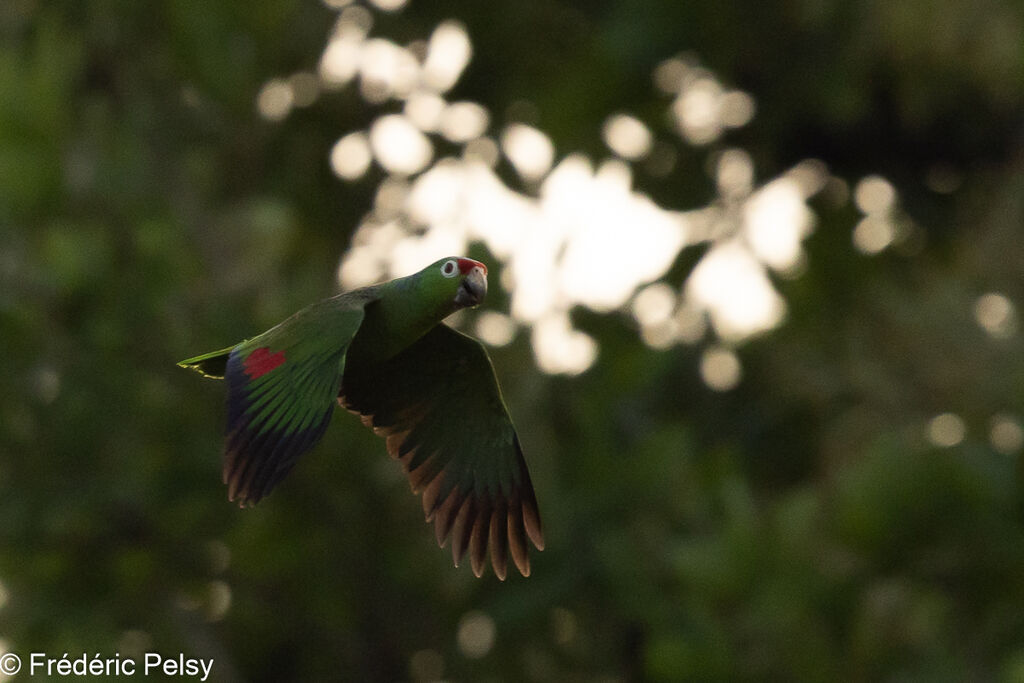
{"x": 281, "y": 390}
{"x": 440, "y": 409}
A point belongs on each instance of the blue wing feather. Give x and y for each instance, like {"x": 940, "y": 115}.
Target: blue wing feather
{"x": 279, "y": 405}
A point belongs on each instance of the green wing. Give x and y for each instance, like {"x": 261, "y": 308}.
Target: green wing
{"x": 281, "y": 390}
{"x": 440, "y": 409}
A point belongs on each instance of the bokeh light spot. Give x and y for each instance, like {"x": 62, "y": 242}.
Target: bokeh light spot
{"x": 387, "y": 70}
{"x": 670, "y": 74}
{"x": 874, "y": 195}
{"x": 475, "y": 634}
{"x": 627, "y": 136}
{"x": 872, "y": 235}
{"x": 697, "y": 112}
{"x": 654, "y": 304}
{"x": 424, "y": 109}
{"x": 661, "y": 335}
{"x": 351, "y": 156}
{"x": 464, "y": 121}
{"x": 996, "y": 315}
{"x": 340, "y": 60}
{"x": 1006, "y": 434}
{"x": 448, "y": 53}
{"x": 689, "y": 323}
{"x": 776, "y": 221}
{"x": 399, "y": 146}
{"x": 529, "y": 150}
{"x": 720, "y": 368}
{"x": 275, "y": 100}
{"x": 495, "y": 329}
{"x": 560, "y": 349}
{"x": 737, "y": 109}
{"x": 946, "y": 430}
{"x": 732, "y": 286}
{"x": 734, "y": 173}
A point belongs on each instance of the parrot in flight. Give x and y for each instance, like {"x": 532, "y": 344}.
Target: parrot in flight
{"x": 384, "y": 354}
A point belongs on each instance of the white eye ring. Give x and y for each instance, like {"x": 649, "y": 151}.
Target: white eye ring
{"x": 450, "y": 268}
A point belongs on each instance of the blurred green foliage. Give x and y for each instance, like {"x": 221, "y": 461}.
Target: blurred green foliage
{"x": 799, "y": 527}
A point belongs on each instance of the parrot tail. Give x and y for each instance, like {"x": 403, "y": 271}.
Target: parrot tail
{"x": 211, "y": 364}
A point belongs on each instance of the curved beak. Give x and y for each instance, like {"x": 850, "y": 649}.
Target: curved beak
{"x": 473, "y": 288}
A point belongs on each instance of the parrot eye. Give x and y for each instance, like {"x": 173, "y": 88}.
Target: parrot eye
{"x": 449, "y": 269}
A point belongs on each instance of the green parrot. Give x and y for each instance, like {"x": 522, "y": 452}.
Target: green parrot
{"x": 383, "y": 353}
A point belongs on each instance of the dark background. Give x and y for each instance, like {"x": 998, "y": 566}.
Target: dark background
{"x": 801, "y": 526}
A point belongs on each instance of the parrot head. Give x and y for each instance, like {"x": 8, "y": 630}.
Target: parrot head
{"x": 464, "y": 277}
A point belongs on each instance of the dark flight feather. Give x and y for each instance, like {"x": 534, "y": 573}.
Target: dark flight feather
{"x": 438, "y": 406}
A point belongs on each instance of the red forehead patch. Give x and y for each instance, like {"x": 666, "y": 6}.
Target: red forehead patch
{"x": 468, "y": 264}
{"x": 261, "y": 361}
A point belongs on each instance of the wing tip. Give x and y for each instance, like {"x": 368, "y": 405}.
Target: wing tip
{"x": 486, "y": 530}
{"x": 212, "y": 364}
{"x": 532, "y": 523}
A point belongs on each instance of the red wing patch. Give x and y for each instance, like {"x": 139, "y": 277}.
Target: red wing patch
{"x": 261, "y": 361}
